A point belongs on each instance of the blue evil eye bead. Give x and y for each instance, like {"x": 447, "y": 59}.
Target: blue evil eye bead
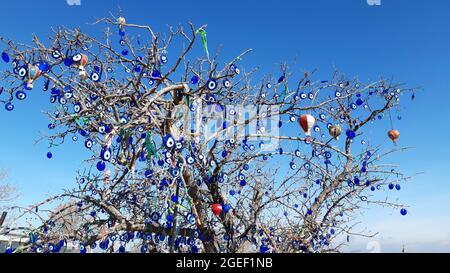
{"x": 155, "y": 216}
{"x": 53, "y": 99}
{"x": 15, "y": 65}
{"x": 307, "y": 166}
{"x": 316, "y": 128}
{"x": 190, "y": 219}
{"x": 151, "y": 82}
{"x": 210, "y": 99}
{"x": 190, "y": 160}
{"x": 105, "y": 153}
{"x": 310, "y": 95}
{"x": 297, "y": 153}
{"x": 281, "y": 79}
{"x": 156, "y": 74}
{"x": 226, "y": 83}
{"x": 5, "y": 57}
{"x": 268, "y": 85}
{"x": 359, "y": 102}
{"x": 101, "y": 166}
{"x": 88, "y": 143}
{"x": 327, "y": 155}
{"x": 1, "y": 89}
{"x": 76, "y": 58}
{"x": 68, "y": 61}
{"x": 95, "y": 77}
{"x": 122, "y": 42}
{"x": 174, "y": 172}
{"x": 109, "y": 70}
{"x": 74, "y": 138}
{"x": 391, "y": 186}
{"x": 292, "y": 118}
{"x": 353, "y": 106}
{"x": 49, "y": 155}
{"x": 43, "y": 66}
{"x": 113, "y": 237}
{"x": 56, "y": 54}
{"x": 23, "y": 71}
{"x": 77, "y": 108}
{"x": 337, "y": 94}
{"x": 194, "y": 79}
{"x": 168, "y": 141}
{"x": 68, "y": 95}
{"x": 303, "y": 95}
{"x": 350, "y": 134}
{"x": 20, "y": 95}
{"x": 211, "y": 84}
{"x": 398, "y": 187}
{"x": 124, "y": 52}
{"x": 9, "y": 106}
{"x": 148, "y": 174}
{"x": 403, "y": 212}
{"x": 293, "y": 165}
{"x": 322, "y": 116}
{"x": 163, "y": 59}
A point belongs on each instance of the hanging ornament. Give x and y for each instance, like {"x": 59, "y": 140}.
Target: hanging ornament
{"x": 217, "y": 209}
{"x": 394, "y": 135}
{"x": 307, "y": 122}
{"x": 121, "y": 21}
{"x": 335, "y": 131}
{"x": 33, "y": 74}
{"x": 81, "y": 60}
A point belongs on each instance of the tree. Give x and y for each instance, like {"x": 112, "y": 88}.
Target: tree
{"x": 192, "y": 155}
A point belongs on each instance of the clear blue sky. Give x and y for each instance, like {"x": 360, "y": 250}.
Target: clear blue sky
{"x": 405, "y": 39}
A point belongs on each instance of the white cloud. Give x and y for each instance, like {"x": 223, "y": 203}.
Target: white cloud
{"x": 73, "y": 2}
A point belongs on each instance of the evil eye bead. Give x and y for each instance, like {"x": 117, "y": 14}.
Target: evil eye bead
{"x": 76, "y": 58}
{"x": 53, "y": 99}
{"x": 310, "y": 96}
{"x": 22, "y": 71}
{"x": 190, "y": 219}
{"x": 337, "y": 94}
{"x": 293, "y": 165}
{"x": 322, "y": 116}
{"x": 297, "y": 153}
{"x": 353, "y": 106}
{"x": 95, "y": 77}
{"x": 168, "y": 141}
{"x": 88, "y": 143}
{"x": 123, "y": 120}
{"x": 211, "y": 84}
{"x": 20, "y": 95}
{"x": 303, "y": 96}
{"x": 226, "y": 83}
{"x": 5, "y": 57}
{"x": 155, "y": 216}
{"x": 68, "y": 95}
{"x": 316, "y": 128}
{"x": 292, "y": 118}
{"x": 179, "y": 145}
{"x": 237, "y": 71}
{"x": 307, "y": 166}
{"x": 9, "y": 106}
{"x": 163, "y": 59}
{"x": 62, "y": 100}
{"x": 56, "y": 54}
{"x": 101, "y": 129}
{"x": 77, "y": 108}
{"x": 268, "y": 85}
{"x": 194, "y": 79}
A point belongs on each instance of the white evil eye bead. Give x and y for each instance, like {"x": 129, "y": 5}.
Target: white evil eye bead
{"x": 190, "y": 160}
{"x": 353, "y": 106}
{"x": 23, "y": 71}
{"x": 68, "y": 95}
{"x": 56, "y": 54}
{"x": 322, "y": 116}
{"x": 168, "y": 141}
{"x": 123, "y": 120}
{"x": 163, "y": 59}
{"x": 62, "y": 100}
{"x": 105, "y": 154}
{"x": 76, "y": 58}
{"x": 211, "y": 84}
{"x": 179, "y": 145}
{"x": 292, "y": 118}
{"x": 101, "y": 129}
{"x": 20, "y": 95}
{"x": 268, "y": 85}
{"x": 88, "y": 143}
{"x": 297, "y": 153}
{"x": 337, "y": 94}
{"x": 226, "y": 83}
{"x": 77, "y": 108}
{"x": 303, "y": 96}
{"x": 293, "y": 165}
{"x": 307, "y": 166}
{"x": 310, "y": 96}
{"x": 95, "y": 77}
{"x": 316, "y": 128}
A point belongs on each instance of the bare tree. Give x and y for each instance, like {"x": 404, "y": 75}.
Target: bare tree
{"x": 253, "y": 181}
